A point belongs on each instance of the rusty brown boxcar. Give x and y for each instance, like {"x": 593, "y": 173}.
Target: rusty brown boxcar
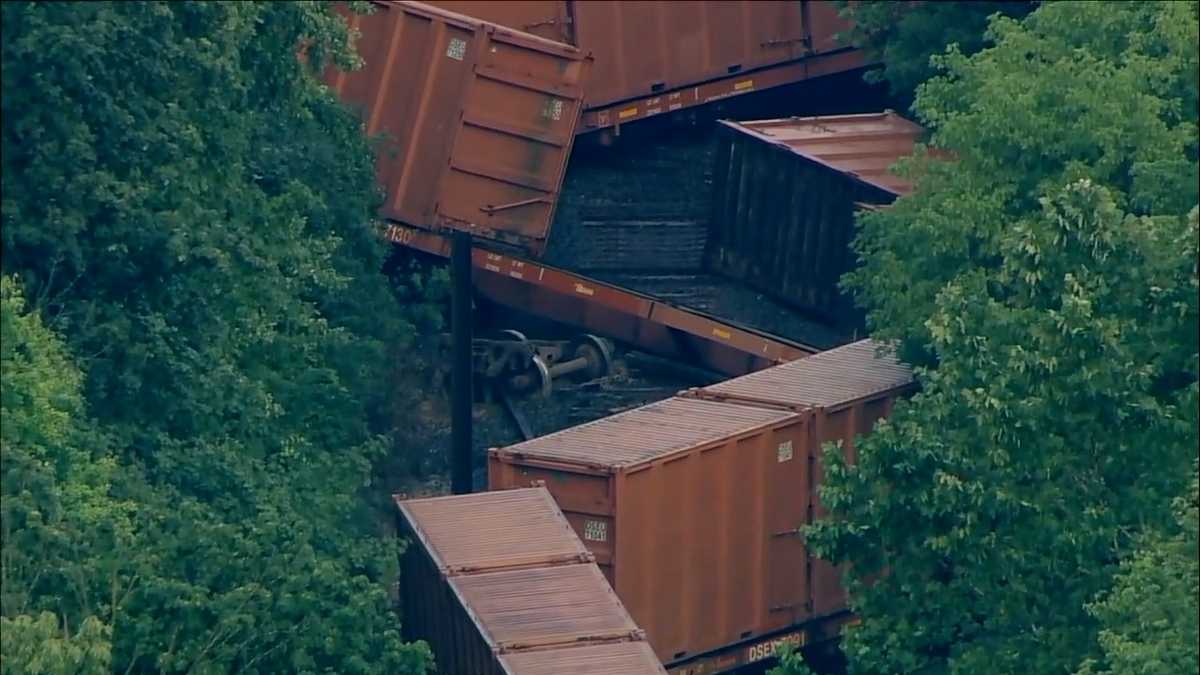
{"x": 784, "y": 198}
{"x": 478, "y": 119}
{"x": 847, "y": 390}
{"x": 678, "y": 500}
{"x": 654, "y": 57}
{"x": 693, "y": 506}
{"x": 498, "y": 584}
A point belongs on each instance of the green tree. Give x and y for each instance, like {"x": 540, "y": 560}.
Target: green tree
{"x": 1044, "y": 279}
{"x": 63, "y": 535}
{"x": 905, "y": 36}
{"x": 38, "y": 645}
{"x": 1076, "y": 90}
{"x": 192, "y": 210}
{"x": 1150, "y": 620}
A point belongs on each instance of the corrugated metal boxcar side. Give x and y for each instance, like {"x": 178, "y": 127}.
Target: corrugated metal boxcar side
{"x": 784, "y": 197}
{"x": 693, "y": 506}
{"x": 479, "y": 119}
{"x": 644, "y": 48}
{"x": 498, "y": 584}
{"x": 847, "y": 390}
{"x": 688, "y": 506}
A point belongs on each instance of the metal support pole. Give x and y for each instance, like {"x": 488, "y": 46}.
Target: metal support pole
{"x": 462, "y": 387}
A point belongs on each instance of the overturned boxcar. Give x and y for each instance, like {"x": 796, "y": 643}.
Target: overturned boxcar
{"x": 784, "y": 198}
{"x": 477, "y": 120}
{"x": 498, "y": 584}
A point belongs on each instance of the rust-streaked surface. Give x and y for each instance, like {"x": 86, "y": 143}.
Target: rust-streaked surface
{"x": 622, "y": 658}
{"x": 830, "y": 379}
{"x": 847, "y": 390}
{"x": 479, "y": 119}
{"x": 655, "y": 57}
{"x": 545, "y": 606}
{"x": 493, "y": 574}
{"x": 625, "y": 112}
{"x": 646, "y": 433}
{"x": 862, "y": 146}
{"x": 691, "y": 508}
{"x": 634, "y": 318}
{"x": 492, "y": 530}
{"x": 784, "y": 198}
{"x": 644, "y": 48}
{"x": 550, "y": 19}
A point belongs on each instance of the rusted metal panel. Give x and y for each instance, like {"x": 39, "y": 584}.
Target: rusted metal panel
{"x": 846, "y": 391}
{"x": 861, "y": 146}
{"x": 479, "y": 120}
{"x": 490, "y": 576}
{"x": 550, "y": 19}
{"x": 655, "y": 57}
{"x": 633, "y": 318}
{"x": 823, "y": 25}
{"x": 488, "y": 531}
{"x": 784, "y": 197}
{"x": 644, "y": 48}
{"x": 545, "y": 606}
{"x": 625, "y": 112}
{"x": 857, "y": 371}
{"x": 691, "y": 508}
{"x": 430, "y": 612}
{"x": 622, "y": 658}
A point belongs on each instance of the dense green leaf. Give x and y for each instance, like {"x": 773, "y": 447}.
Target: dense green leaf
{"x": 191, "y": 210}
{"x": 1043, "y": 277}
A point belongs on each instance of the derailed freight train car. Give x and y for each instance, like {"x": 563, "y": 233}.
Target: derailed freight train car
{"x": 694, "y": 506}
{"x": 498, "y": 584}
{"x": 784, "y": 198}
{"x": 478, "y": 120}
{"x": 659, "y": 56}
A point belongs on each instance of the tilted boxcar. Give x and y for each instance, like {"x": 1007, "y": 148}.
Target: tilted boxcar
{"x": 657, "y": 56}
{"x": 479, "y": 120}
{"x": 784, "y": 198}
{"x": 498, "y": 584}
{"x": 694, "y": 506}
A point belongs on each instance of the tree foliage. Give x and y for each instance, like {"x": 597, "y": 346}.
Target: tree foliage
{"x": 191, "y": 210}
{"x": 1043, "y": 276}
{"x": 63, "y": 533}
{"x": 904, "y": 36}
{"x": 1077, "y": 90}
{"x": 1150, "y": 620}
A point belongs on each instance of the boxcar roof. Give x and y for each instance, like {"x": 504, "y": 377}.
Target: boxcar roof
{"x": 648, "y": 432}
{"x": 544, "y": 606}
{"x": 492, "y": 530}
{"x": 848, "y": 373}
{"x": 620, "y": 658}
{"x": 862, "y": 146}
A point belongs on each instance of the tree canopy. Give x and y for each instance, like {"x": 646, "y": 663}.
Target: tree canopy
{"x": 190, "y": 211}
{"x": 1043, "y": 278}
{"x": 1150, "y": 619}
{"x": 904, "y": 36}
